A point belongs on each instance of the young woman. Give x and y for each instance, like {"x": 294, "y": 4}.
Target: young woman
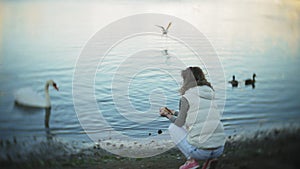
{"x": 197, "y": 130}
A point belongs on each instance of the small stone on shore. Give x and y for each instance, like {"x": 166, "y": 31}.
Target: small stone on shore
{"x": 159, "y": 131}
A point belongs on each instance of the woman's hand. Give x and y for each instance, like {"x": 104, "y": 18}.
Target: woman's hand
{"x": 164, "y": 111}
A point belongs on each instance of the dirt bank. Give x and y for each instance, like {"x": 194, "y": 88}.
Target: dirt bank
{"x": 274, "y": 149}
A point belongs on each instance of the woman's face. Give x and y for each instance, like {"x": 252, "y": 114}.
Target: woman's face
{"x": 184, "y": 73}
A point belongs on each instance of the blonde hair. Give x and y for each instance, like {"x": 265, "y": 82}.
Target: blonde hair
{"x": 192, "y": 77}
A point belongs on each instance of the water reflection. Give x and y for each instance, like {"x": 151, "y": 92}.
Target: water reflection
{"x": 49, "y": 135}
{"x": 47, "y": 116}
{"x": 252, "y": 85}
{"x": 33, "y": 114}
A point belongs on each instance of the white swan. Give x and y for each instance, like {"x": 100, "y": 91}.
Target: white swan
{"x": 164, "y": 30}
{"x": 27, "y": 97}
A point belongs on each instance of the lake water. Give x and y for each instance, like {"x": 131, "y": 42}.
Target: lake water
{"x": 43, "y": 40}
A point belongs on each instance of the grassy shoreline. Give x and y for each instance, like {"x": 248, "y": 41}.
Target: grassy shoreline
{"x": 273, "y": 149}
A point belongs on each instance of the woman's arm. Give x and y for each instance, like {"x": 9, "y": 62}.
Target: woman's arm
{"x": 183, "y": 109}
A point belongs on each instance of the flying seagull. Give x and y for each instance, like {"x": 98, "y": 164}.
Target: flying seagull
{"x": 164, "y": 30}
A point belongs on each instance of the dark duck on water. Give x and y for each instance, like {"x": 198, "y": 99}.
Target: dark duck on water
{"x": 234, "y": 82}
{"x": 250, "y": 81}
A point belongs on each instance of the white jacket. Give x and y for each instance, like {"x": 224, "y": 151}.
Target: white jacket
{"x": 205, "y": 129}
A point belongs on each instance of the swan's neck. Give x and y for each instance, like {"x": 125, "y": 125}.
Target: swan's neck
{"x": 47, "y": 96}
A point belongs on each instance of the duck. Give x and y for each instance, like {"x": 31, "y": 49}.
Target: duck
{"x": 250, "y": 81}
{"x": 29, "y": 98}
{"x": 234, "y": 82}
